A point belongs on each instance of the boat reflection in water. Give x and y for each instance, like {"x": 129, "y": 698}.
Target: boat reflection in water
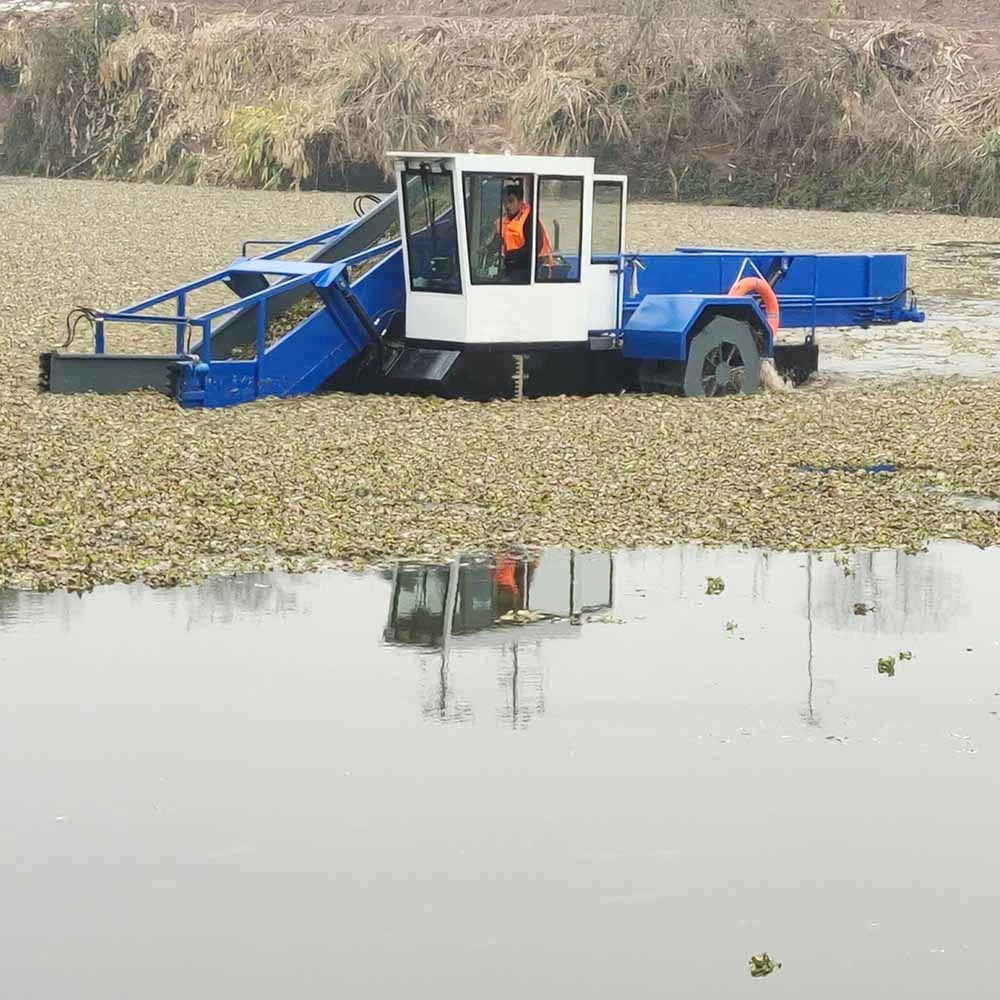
{"x": 509, "y": 602}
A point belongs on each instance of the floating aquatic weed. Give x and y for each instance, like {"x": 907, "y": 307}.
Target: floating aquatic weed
{"x": 716, "y": 585}
{"x": 102, "y": 489}
{"x": 762, "y": 965}
{"x": 887, "y": 665}
{"x": 282, "y": 324}
{"x": 522, "y": 617}
{"x": 731, "y": 626}
{"x": 860, "y": 608}
{"x": 844, "y": 562}
{"x": 606, "y": 619}
{"x": 905, "y": 654}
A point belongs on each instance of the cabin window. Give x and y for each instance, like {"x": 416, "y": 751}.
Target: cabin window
{"x": 419, "y": 605}
{"x": 431, "y": 232}
{"x": 560, "y": 221}
{"x": 485, "y": 206}
{"x": 606, "y": 224}
{"x": 476, "y": 603}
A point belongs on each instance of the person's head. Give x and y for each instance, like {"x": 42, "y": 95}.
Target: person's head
{"x": 512, "y": 200}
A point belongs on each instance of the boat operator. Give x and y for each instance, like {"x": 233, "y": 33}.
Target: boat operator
{"x": 511, "y": 230}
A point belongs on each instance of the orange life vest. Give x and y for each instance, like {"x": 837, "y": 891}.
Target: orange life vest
{"x": 512, "y": 232}
{"x": 504, "y": 574}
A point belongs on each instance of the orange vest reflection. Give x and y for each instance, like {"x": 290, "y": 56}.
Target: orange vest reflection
{"x": 505, "y": 577}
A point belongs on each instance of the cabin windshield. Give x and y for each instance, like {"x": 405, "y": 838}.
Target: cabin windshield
{"x": 516, "y": 240}
{"x": 431, "y": 232}
{"x": 485, "y": 207}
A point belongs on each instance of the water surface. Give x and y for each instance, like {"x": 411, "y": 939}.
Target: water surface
{"x": 323, "y": 785}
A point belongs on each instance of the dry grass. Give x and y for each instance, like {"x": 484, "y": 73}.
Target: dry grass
{"x": 112, "y": 488}
{"x": 558, "y": 114}
{"x": 778, "y": 112}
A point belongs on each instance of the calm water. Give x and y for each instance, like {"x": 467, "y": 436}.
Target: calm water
{"x": 268, "y": 787}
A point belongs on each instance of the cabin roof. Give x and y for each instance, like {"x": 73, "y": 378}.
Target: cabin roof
{"x": 502, "y": 162}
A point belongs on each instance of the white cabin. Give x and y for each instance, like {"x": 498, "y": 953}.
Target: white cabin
{"x": 459, "y": 289}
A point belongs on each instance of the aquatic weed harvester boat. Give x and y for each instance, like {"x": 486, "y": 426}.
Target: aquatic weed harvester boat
{"x": 419, "y": 294}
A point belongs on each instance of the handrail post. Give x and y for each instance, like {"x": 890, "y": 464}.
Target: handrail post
{"x": 261, "y": 327}
{"x": 182, "y": 321}
{"x": 206, "y": 341}
{"x": 99, "y": 337}
{"x": 261, "y": 331}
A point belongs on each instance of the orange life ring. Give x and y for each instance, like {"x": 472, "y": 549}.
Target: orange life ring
{"x": 747, "y": 286}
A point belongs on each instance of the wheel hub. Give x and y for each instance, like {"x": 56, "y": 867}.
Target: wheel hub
{"x": 722, "y": 370}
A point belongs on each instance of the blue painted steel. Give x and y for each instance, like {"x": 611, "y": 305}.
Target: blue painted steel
{"x": 817, "y": 290}
{"x": 381, "y": 291}
{"x": 205, "y": 348}
{"x": 878, "y": 467}
{"x": 178, "y": 295}
{"x": 660, "y": 325}
{"x": 181, "y": 325}
{"x": 307, "y": 356}
{"x": 299, "y": 273}
{"x": 156, "y": 300}
{"x": 291, "y": 246}
{"x": 267, "y": 265}
{"x": 259, "y": 339}
{"x": 288, "y": 246}
{"x": 310, "y": 353}
{"x": 674, "y": 292}
{"x": 225, "y": 383}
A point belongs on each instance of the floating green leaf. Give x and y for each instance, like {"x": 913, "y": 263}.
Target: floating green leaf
{"x": 522, "y": 617}
{"x": 762, "y": 965}
{"x": 101, "y": 489}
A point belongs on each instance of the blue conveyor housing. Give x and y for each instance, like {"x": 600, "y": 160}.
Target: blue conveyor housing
{"x": 300, "y": 361}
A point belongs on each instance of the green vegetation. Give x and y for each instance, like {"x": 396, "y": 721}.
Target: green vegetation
{"x": 762, "y": 965}
{"x": 64, "y": 118}
{"x": 698, "y": 101}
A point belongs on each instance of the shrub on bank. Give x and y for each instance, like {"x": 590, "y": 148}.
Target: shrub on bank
{"x": 697, "y": 100}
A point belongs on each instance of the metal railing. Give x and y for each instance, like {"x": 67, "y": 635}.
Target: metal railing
{"x": 297, "y": 273}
